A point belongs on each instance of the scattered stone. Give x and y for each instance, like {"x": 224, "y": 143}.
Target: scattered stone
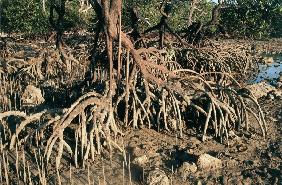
{"x": 279, "y": 84}
{"x": 235, "y": 180}
{"x": 186, "y": 169}
{"x": 261, "y": 89}
{"x": 274, "y": 94}
{"x": 275, "y": 181}
{"x": 2, "y": 45}
{"x": 82, "y": 46}
{"x": 207, "y": 162}
{"x": 144, "y": 149}
{"x": 142, "y": 160}
{"x": 157, "y": 177}
{"x": 193, "y": 142}
{"x": 199, "y": 182}
{"x": 233, "y": 136}
{"x": 249, "y": 162}
{"x": 270, "y": 96}
{"x": 268, "y": 60}
{"x": 32, "y": 96}
{"x": 155, "y": 160}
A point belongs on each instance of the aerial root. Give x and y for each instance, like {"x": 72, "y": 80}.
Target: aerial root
{"x": 100, "y": 119}
{"x": 161, "y": 93}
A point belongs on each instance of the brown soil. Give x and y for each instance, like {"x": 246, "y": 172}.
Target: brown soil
{"x": 249, "y": 159}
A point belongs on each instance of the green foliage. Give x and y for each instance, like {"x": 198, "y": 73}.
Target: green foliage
{"x": 73, "y": 19}
{"x": 28, "y": 16}
{"x": 276, "y": 24}
{"x": 253, "y": 18}
{"x": 178, "y": 18}
{"x": 23, "y": 16}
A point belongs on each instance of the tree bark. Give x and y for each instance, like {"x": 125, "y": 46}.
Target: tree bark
{"x": 193, "y": 4}
{"x": 44, "y": 6}
{"x": 110, "y": 12}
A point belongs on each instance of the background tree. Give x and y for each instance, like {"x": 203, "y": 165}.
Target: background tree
{"x": 29, "y": 16}
{"x": 253, "y": 18}
{"x": 23, "y": 16}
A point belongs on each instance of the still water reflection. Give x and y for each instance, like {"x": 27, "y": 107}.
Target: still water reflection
{"x": 270, "y": 72}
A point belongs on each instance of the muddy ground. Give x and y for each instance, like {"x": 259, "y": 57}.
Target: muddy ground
{"x": 247, "y": 159}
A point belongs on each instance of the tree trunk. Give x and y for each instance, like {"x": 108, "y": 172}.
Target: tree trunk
{"x": 44, "y": 6}
{"x": 192, "y": 7}
{"x": 110, "y": 12}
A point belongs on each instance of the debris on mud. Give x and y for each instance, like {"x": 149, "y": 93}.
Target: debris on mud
{"x": 186, "y": 169}
{"x": 157, "y": 177}
{"x": 142, "y": 160}
{"x": 32, "y": 96}
{"x": 207, "y": 162}
{"x": 268, "y": 60}
{"x": 262, "y": 89}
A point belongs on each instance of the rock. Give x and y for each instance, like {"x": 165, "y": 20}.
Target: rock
{"x": 142, "y": 160}
{"x": 279, "y": 84}
{"x": 274, "y": 94}
{"x": 260, "y": 89}
{"x": 199, "y": 182}
{"x": 32, "y": 96}
{"x": 207, "y": 162}
{"x": 268, "y": 60}
{"x": 187, "y": 169}
{"x": 270, "y": 96}
{"x": 157, "y": 177}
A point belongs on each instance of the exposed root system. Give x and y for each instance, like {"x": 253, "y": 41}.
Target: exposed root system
{"x": 168, "y": 89}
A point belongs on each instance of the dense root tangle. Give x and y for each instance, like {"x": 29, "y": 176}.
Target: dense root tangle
{"x": 44, "y": 67}
{"x": 90, "y": 118}
{"x": 152, "y": 89}
{"x": 95, "y": 115}
{"x": 219, "y": 56}
{"x": 156, "y": 92}
{"x": 225, "y": 105}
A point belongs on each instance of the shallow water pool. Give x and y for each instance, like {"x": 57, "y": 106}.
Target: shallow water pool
{"x": 269, "y": 72}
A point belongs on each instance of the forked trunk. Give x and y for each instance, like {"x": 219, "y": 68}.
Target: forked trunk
{"x": 109, "y": 11}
